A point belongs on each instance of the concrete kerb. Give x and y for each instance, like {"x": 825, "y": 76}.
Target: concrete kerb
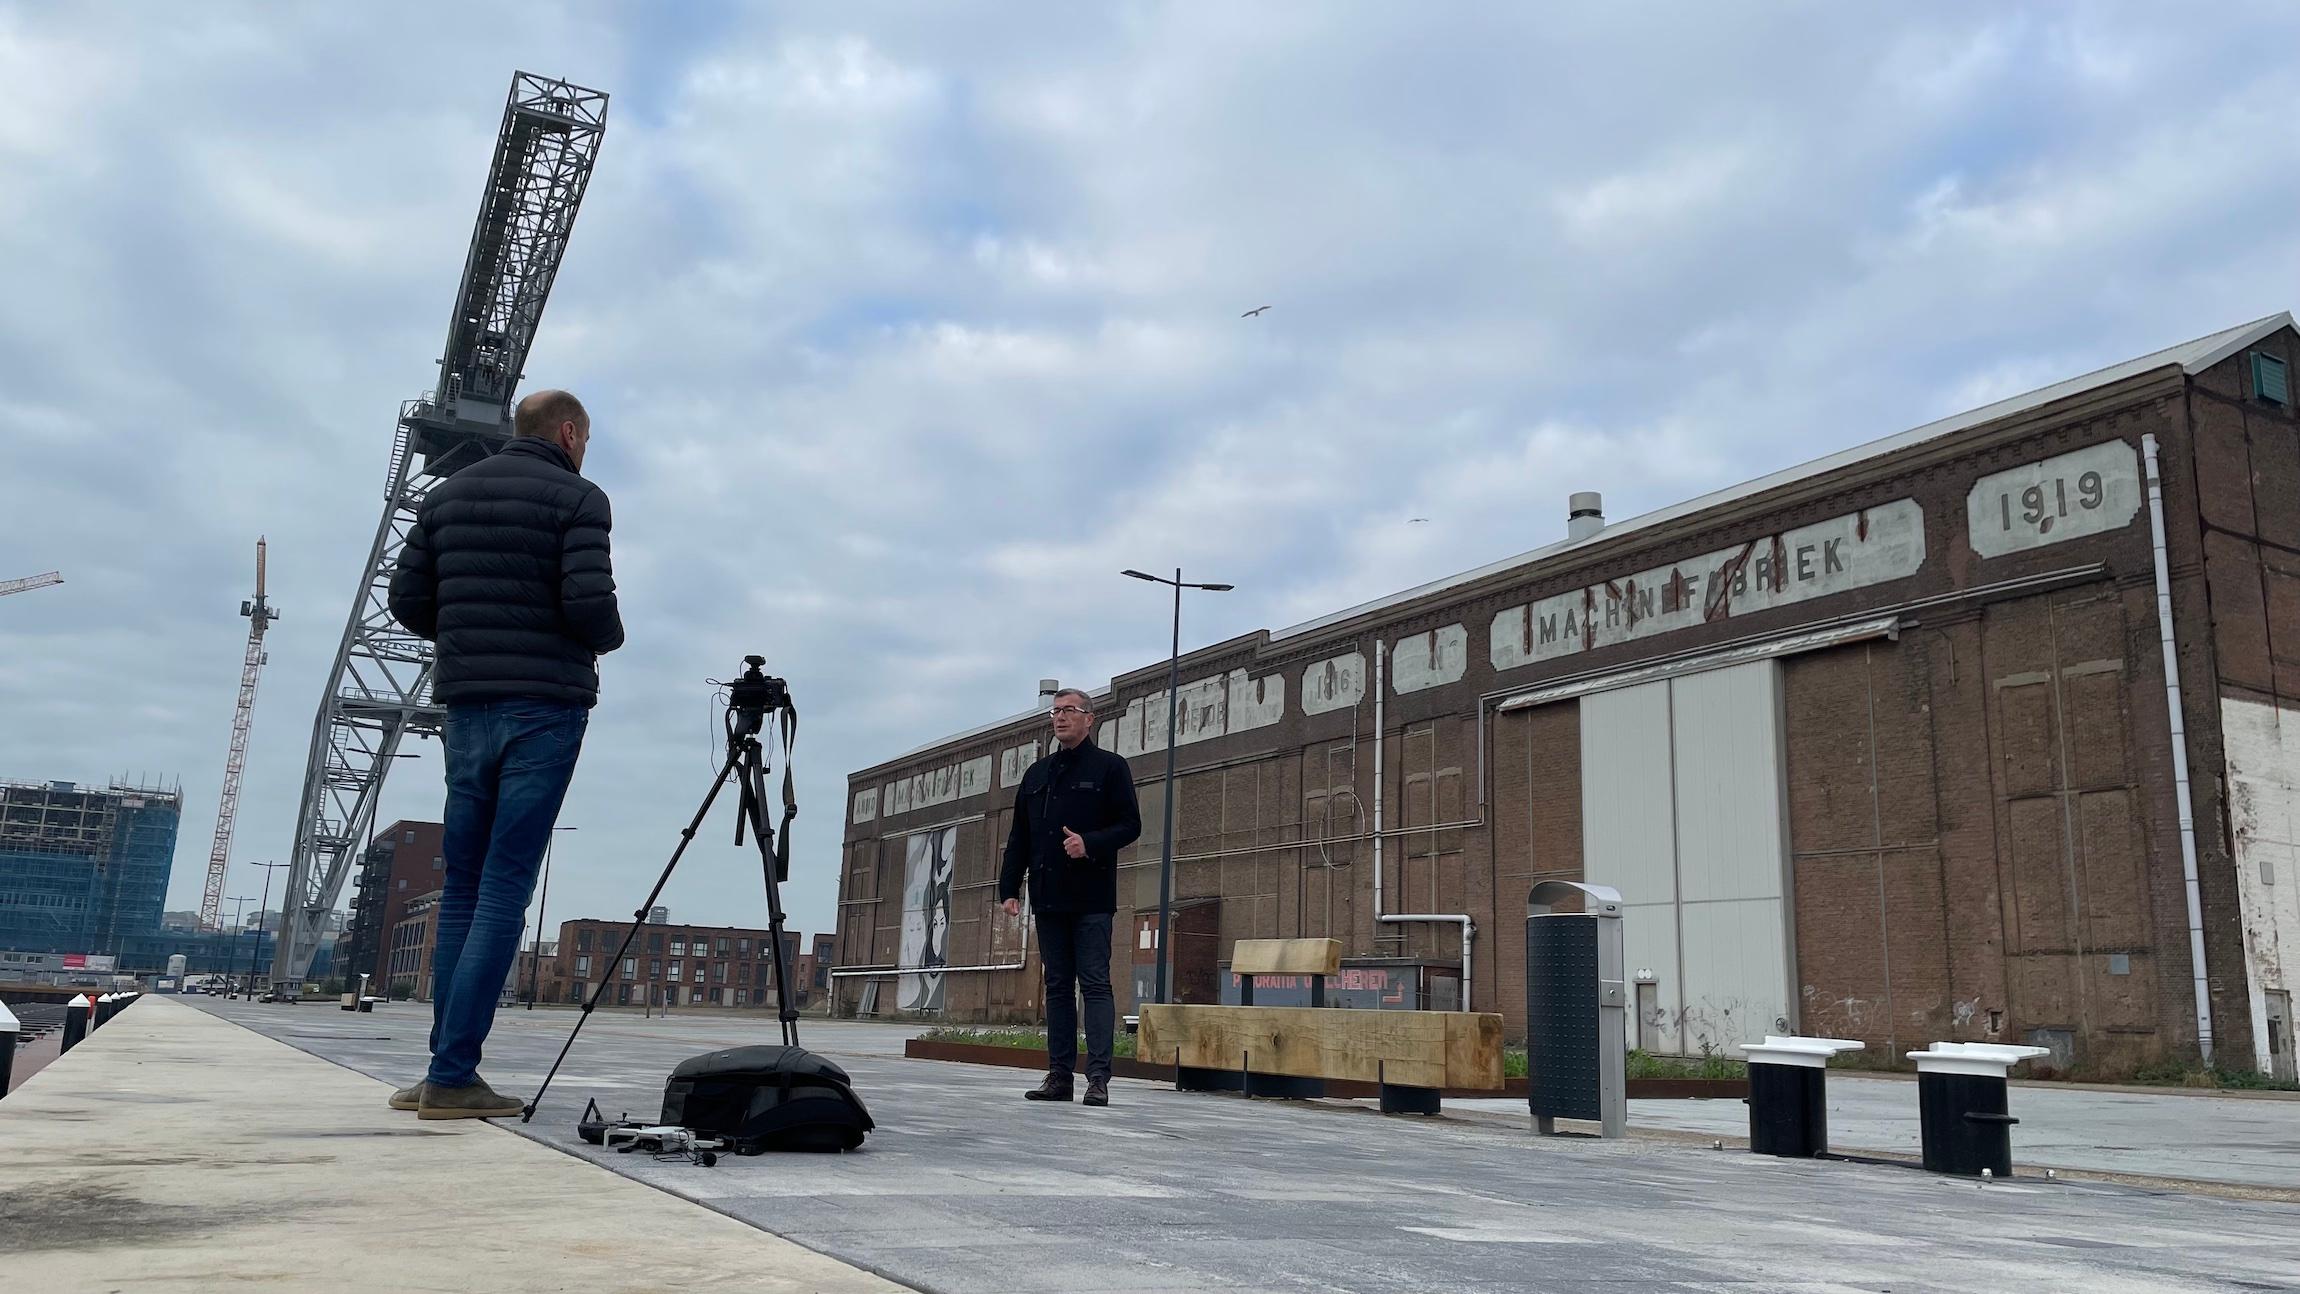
{"x": 102, "y": 1187}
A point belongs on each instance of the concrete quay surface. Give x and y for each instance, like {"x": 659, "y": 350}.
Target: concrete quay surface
{"x": 175, "y": 1151}
{"x": 967, "y": 1188}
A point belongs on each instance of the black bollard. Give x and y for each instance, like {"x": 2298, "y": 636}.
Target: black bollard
{"x": 76, "y": 1021}
{"x": 10, "y": 1031}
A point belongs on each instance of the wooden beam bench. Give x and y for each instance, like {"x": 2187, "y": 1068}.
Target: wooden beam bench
{"x": 1292, "y": 1051}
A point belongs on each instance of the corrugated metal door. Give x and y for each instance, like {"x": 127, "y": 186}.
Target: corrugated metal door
{"x": 1683, "y": 813}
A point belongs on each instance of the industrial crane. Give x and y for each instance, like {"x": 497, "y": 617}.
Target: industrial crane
{"x": 29, "y": 583}
{"x": 260, "y": 616}
{"x": 379, "y": 690}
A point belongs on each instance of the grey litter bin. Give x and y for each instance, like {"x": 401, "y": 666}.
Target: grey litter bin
{"x": 1961, "y": 1105}
{"x": 1788, "y": 1099}
{"x": 368, "y": 1003}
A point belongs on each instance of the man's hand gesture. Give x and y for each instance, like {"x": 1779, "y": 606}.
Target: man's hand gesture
{"x": 1072, "y": 845}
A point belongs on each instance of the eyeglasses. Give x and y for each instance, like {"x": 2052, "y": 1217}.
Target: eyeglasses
{"x": 1069, "y": 709}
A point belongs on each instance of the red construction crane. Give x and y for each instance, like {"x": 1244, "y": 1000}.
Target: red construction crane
{"x": 260, "y": 615}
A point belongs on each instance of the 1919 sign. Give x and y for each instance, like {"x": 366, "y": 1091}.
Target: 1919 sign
{"x": 2089, "y": 492}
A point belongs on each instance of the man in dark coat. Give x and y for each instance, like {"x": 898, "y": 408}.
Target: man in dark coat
{"x": 506, "y": 569}
{"x": 1073, "y": 812}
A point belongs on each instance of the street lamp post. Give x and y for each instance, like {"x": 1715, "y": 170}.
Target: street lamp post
{"x": 232, "y": 962}
{"x": 262, "y": 907}
{"x": 1173, "y": 712}
{"x": 542, "y": 903}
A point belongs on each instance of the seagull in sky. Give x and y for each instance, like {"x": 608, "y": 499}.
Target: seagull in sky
{"x": 1253, "y": 312}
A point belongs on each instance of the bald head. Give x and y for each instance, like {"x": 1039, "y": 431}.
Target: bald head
{"x": 555, "y": 416}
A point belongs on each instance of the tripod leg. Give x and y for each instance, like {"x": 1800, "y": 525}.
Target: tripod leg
{"x": 638, "y": 919}
{"x": 754, "y": 778}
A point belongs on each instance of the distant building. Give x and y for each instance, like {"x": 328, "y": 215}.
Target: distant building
{"x": 408, "y": 956}
{"x": 403, "y": 862}
{"x": 83, "y": 869}
{"x": 670, "y": 966}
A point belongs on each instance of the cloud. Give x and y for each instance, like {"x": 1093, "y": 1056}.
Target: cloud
{"x": 905, "y": 330}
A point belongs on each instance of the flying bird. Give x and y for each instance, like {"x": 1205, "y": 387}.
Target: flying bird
{"x": 1255, "y": 311}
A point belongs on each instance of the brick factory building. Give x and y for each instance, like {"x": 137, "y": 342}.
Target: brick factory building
{"x": 1881, "y": 746}
{"x": 669, "y": 965}
{"x": 403, "y": 862}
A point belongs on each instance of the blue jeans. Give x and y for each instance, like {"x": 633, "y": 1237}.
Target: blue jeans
{"x": 1075, "y": 948}
{"x": 508, "y": 764}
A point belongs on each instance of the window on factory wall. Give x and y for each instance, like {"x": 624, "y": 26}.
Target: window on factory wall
{"x": 742, "y": 997}
{"x": 583, "y": 940}
{"x": 742, "y": 947}
{"x": 655, "y": 943}
{"x": 762, "y": 977}
{"x": 438, "y": 863}
{"x": 678, "y": 948}
{"x": 723, "y": 946}
{"x": 674, "y": 975}
{"x": 695, "y": 997}
{"x": 655, "y": 968}
{"x": 630, "y": 969}
{"x": 410, "y": 838}
{"x": 743, "y": 973}
{"x": 719, "y": 973}
{"x": 582, "y": 965}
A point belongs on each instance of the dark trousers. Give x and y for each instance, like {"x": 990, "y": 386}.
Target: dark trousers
{"x": 1075, "y": 947}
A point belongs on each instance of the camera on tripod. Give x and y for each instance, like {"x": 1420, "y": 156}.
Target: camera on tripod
{"x": 753, "y": 693}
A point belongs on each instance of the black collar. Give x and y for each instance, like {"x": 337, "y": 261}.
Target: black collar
{"x": 537, "y": 447}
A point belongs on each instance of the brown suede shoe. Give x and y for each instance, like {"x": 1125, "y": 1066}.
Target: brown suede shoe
{"x": 1055, "y": 1088}
{"x": 478, "y": 1101}
{"x": 408, "y": 1098}
{"x": 1097, "y": 1091}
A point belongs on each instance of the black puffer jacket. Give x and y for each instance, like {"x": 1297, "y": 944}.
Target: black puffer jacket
{"x": 506, "y": 569}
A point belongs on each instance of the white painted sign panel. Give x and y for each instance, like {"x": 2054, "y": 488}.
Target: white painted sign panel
{"x": 1338, "y": 683}
{"x": 866, "y": 805}
{"x": 1872, "y": 546}
{"x": 1224, "y": 705}
{"x": 938, "y": 786}
{"x": 1428, "y": 660}
{"x": 2089, "y": 492}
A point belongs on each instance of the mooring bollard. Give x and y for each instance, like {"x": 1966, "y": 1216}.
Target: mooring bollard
{"x": 106, "y": 1007}
{"x": 76, "y": 1014}
{"x": 1788, "y": 1099}
{"x": 1961, "y": 1106}
{"x": 10, "y": 1032}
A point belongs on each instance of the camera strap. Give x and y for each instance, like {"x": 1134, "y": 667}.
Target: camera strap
{"x": 790, "y": 792}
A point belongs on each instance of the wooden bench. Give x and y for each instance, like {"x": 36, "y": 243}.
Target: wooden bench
{"x": 1292, "y": 1051}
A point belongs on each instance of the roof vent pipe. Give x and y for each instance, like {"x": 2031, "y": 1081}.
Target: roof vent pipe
{"x": 1585, "y": 515}
{"x": 1047, "y": 687}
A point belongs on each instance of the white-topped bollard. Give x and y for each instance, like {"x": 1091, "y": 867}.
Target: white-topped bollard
{"x": 10, "y": 1031}
{"x": 1788, "y": 1106}
{"x": 77, "y": 1013}
{"x": 1962, "y": 1108}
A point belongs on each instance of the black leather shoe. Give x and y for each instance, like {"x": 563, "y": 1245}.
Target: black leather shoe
{"x": 1098, "y": 1091}
{"x": 1053, "y": 1089}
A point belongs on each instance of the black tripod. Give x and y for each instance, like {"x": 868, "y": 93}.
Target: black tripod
{"x": 749, "y": 699}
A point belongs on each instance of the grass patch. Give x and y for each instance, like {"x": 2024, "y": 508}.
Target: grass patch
{"x": 2174, "y": 1073}
{"x": 1025, "y": 1038}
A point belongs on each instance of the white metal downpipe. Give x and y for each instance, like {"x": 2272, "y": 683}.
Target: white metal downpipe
{"x": 1468, "y": 927}
{"x": 2180, "y": 789}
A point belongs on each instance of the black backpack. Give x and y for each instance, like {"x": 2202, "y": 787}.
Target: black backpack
{"x": 767, "y": 1098}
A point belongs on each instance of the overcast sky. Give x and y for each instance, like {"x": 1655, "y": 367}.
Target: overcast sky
{"x": 904, "y": 328}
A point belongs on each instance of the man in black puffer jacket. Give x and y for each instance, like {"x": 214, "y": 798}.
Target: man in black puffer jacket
{"x": 506, "y": 569}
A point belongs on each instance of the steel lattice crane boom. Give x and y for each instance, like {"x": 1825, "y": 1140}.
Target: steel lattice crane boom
{"x": 29, "y": 583}
{"x": 260, "y": 616}
{"x": 379, "y": 690}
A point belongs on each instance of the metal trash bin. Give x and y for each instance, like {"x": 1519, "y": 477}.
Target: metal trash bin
{"x": 1788, "y": 1103}
{"x": 1961, "y": 1105}
{"x": 368, "y": 1003}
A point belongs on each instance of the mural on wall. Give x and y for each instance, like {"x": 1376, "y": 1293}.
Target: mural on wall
{"x": 926, "y": 917}
{"x": 2089, "y": 492}
{"x": 1013, "y": 762}
{"x": 937, "y": 786}
{"x": 1224, "y": 705}
{"x": 1338, "y": 683}
{"x": 1428, "y": 660}
{"x": 1853, "y": 551}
